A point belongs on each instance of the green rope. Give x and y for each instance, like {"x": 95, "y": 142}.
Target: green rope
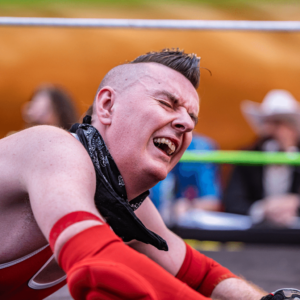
{"x": 242, "y": 157}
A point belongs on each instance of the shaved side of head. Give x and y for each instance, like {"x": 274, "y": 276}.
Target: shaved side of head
{"x": 118, "y": 78}
{"x": 123, "y": 76}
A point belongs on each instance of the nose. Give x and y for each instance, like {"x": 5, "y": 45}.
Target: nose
{"x": 183, "y": 122}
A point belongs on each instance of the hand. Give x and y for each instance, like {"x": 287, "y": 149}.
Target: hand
{"x": 281, "y": 210}
{"x": 277, "y": 296}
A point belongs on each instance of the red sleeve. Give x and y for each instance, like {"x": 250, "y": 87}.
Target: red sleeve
{"x": 100, "y": 266}
{"x": 201, "y": 272}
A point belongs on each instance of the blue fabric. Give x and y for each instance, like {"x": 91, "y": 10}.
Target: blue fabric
{"x": 190, "y": 180}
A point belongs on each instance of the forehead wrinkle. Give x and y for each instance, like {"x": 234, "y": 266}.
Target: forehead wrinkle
{"x": 176, "y": 96}
{"x": 175, "y": 100}
{"x": 170, "y": 95}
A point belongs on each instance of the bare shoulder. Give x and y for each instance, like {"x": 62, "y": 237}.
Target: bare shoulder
{"x": 32, "y": 139}
{"x": 41, "y": 138}
{"x": 41, "y": 146}
{"x": 53, "y": 151}
{"x": 46, "y": 153}
{"x": 58, "y": 174}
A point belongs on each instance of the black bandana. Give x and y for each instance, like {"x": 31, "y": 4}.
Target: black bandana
{"x": 111, "y": 197}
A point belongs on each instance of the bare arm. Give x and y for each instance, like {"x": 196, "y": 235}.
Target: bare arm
{"x": 170, "y": 260}
{"x": 237, "y": 289}
{"x": 59, "y": 178}
{"x": 228, "y": 289}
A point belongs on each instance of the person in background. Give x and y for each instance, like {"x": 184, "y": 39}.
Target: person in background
{"x": 189, "y": 185}
{"x": 270, "y": 193}
{"x": 50, "y": 105}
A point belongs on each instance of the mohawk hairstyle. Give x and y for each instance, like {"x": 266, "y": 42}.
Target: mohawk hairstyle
{"x": 186, "y": 64}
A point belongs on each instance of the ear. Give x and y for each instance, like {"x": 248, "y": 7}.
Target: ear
{"x": 105, "y": 100}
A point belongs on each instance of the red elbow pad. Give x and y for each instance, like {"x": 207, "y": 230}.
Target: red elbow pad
{"x": 201, "y": 272}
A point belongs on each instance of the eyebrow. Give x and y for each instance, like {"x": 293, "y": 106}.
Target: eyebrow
{"x": 175, "y": 100}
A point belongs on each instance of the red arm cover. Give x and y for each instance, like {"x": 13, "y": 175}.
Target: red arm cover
{"x": 68, "y": 220}
{"x": 201, "y": 272}
{"x": 100, "y": 266}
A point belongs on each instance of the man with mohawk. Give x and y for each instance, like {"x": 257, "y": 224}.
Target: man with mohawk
{"x": 86, "y": 194}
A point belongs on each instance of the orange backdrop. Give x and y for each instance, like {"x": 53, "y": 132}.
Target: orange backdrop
{"x": 244, "y": 65}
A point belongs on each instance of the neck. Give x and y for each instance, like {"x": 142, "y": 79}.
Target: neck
{"x": 136, "y": 182}
{"x": 136, "y": 185}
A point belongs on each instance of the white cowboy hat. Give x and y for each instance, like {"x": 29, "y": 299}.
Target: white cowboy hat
{"x": 277, "y": 103}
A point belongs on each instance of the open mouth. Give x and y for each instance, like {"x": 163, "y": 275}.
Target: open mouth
{"x": 165, "y": 145}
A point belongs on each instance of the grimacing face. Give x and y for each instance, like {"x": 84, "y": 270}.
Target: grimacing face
{"x": 152, "y": 123}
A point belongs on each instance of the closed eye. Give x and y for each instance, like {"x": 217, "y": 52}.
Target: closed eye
{"x": 195, "y": 119}
{"x": 165, "y": 103}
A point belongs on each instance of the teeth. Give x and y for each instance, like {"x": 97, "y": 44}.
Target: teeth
{"x": 166, "y": 141}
